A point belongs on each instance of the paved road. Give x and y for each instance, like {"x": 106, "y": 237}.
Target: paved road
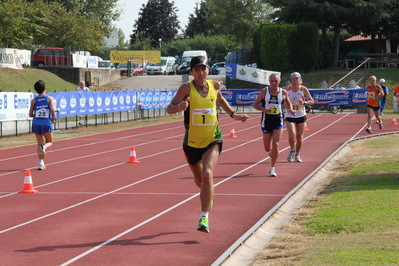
{"x": 155, "y": 82}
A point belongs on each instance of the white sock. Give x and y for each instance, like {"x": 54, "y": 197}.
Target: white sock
{"x": 204, "y": 214}
{"x": 44, "y": 147}
{"x": 272, "y": 168}
{"x": 41, "y": 161}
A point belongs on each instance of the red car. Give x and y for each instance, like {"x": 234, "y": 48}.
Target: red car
{"x": 51, "y": 56}
{"x": 136, "y": 69}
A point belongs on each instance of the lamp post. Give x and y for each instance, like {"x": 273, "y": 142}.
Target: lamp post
{"x": 160, "y": 43}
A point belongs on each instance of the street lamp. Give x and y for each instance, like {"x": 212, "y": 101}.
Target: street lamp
{"x": 160, "y": 43}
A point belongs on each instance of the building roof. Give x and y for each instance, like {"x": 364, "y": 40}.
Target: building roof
{"x": 358, "y": 38}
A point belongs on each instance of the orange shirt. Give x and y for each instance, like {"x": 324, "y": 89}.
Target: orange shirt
{"x": 372, "y": 99}
{"x": 396, "y": 91}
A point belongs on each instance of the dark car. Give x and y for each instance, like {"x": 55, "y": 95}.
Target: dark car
{"x": 183, "y": 68}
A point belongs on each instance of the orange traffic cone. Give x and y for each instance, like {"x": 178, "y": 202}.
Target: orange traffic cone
{"x": 232, "y": 133}
{"x": 28, "y": 185}
{"x": 393, "y": 122}
{"x": 132, "y": 158}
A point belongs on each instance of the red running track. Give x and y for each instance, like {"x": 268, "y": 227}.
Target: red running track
{"x": 93, "y": 208}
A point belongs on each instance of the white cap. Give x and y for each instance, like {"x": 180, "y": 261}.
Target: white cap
{"x": 382, "y": 80}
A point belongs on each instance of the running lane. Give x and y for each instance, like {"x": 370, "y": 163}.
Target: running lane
{"x": 93, "y": 208}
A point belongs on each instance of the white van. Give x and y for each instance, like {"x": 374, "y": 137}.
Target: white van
{"x": 187, "y": 55}
{"x": 165, "y": 67}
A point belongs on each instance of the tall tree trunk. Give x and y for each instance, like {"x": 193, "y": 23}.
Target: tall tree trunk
{"x": 326, "y": 47}
{"x": 335, "y": 52}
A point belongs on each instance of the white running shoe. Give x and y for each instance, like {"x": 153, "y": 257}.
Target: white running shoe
{"x": 298, "y": 158}
{"x": 290, "y": 156}
{"x": 42, "y": 149}
{"x": 41, "y": 166}
{"x": 272, "y": 172}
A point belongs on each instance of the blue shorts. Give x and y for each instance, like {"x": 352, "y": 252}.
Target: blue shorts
{"x": 41, "y": 129}
{"x": 270, "y": 130}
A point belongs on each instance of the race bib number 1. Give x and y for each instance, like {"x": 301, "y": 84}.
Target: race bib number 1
{"x": 204, "y": 117}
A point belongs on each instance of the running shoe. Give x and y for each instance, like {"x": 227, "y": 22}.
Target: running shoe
{"x": 80, "y": 123}
{"x": 203, "y": 225}
{"x": 368, "y": 130}
{"x": 290, "y": 156}
{"x": 41, "y": 166}
{"x": 272, "y": 172}
{"x": 380, "y": 124}
{"x": 298, "y": 158}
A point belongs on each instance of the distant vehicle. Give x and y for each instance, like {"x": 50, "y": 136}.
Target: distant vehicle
{"x": 187, "y": 55}
{"x": 218, "y": 68}
{"x": 136, "y": 69}
{"x": 183, "y": 68}
{"x": 106, "y": 64}
{"x": 165, "y": 67}
{"x": 51, "y": 56}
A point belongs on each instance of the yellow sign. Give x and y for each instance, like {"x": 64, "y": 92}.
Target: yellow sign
{"x": 117, "y": 56}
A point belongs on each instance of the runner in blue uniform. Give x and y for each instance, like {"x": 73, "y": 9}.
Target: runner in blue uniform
{"x": 43, "y": 112}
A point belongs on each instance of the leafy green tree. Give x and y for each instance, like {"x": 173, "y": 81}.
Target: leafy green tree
{"x": 157, "y": 20}
{"x": 63, "y": 28}
{"x": 18, "y": 20}
{"x": 238, "y": 18}
{"x": 334, "y": 16}
{"x": 103, "y": 11}
{"x": 198, "y": 22}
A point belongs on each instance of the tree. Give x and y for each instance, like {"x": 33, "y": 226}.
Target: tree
{"x": 18, "y": 20}
{"x": 333, "y": 15}
{"x": 63, "y": 28}
{"x": 157, "y": 20}
{"x": 198, "y": 22}
{"x": 103, "y": 11}
{"x": 238, "y": 18}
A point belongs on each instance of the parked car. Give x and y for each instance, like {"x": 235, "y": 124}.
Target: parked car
{"x": 105, "y": 64}
{"x": 165, "y": 67}
{"x": 218, "y": 68}
{"x": 51, "y": 56}
{"x": 183, "y": 68}
{"x": 136, "y": 69}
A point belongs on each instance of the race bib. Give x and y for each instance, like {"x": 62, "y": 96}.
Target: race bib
{"x": 204, "y": 117}
{"x": 371, "y": 94}
{"x": 274, "y": 108}
{"x": 42, "y": 113}
{"x": 296, "y": 107}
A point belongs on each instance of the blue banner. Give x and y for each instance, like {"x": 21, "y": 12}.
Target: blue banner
{"x": 155, "y": 99}
{"x": 93, "y": 102}
{"x": 339, "y": 97}
{"x": 247, "y": 97}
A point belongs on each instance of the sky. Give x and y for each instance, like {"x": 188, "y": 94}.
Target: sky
{"x": 131, "y": 10}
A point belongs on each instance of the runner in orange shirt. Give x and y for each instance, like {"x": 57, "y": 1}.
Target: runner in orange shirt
{"x": 374, "y": 93}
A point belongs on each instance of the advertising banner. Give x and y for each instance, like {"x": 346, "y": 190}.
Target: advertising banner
{"x": 247, "y": 97}
{"x": 339, "y": 97}
{"x": 14, "y": 58}
{"x": 251, "y": 74}
{"x": 94, "y": 102}
{"x": 155, "y": 99}
{"x": 79, "y": 61}
{"x": 14, "y": 105}
{"x": 117, "y": 56}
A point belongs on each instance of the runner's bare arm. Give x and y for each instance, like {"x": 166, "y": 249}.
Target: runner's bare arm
{"x": 180, "y": 100}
